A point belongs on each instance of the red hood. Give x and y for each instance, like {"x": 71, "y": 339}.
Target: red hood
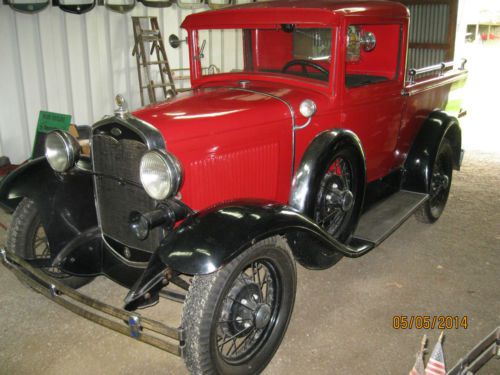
{"x": 232, "y": 143}
{"x": 205, "y": 112}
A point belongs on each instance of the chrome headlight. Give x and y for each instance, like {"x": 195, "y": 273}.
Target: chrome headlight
{"x": 61, "y": 150}
{"x": 160, "y": 174}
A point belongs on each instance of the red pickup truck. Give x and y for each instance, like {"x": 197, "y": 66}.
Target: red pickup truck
{"x": 314, "y": 143}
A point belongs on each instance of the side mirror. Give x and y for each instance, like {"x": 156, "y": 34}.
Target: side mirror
{"x": 368, "y": 41}
{"x": 174, "y": 41}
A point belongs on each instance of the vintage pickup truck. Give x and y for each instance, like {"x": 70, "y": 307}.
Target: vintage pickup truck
{"x": 314, "y": 144}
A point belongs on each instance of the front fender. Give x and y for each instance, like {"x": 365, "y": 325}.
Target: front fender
{"x": 65, "y": 201}
{"x": 208, "y": 240}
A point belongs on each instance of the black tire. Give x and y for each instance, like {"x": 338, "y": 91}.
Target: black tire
{"x": 340, "y": 176}
{"x": 442, "y": 173}
{"x": 24, "y": 240}
{"x": 214, "y": 299}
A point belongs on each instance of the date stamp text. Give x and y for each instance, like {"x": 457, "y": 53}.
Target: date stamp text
{"x": 430, "y": 322}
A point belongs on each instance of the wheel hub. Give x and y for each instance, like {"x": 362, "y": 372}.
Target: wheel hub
{"x": 440, "y": 181}
{"x": 339, "y": 195}
{"x": 346, "y": 200}
{"x": 262, "y": 315}
{"x": 241, "y": 312}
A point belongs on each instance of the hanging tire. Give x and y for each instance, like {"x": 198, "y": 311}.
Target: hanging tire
{"x": 26, "y": 238}
{"x": 235, "y": 318}
{"x": 338, "y": 194}
{"x": 442, "y": 173}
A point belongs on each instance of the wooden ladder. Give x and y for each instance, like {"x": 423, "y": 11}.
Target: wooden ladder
{"x": 147, "y": 37}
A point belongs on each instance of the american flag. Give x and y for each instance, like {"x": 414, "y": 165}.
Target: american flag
{"x": 418, "y": 367}
{"x": 436, "y": 366}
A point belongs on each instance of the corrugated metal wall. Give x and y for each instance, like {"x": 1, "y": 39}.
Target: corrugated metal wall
{"x": 73, "y": 64}
{"x": 429, "y": 27}
{"x": 420, "y": 57}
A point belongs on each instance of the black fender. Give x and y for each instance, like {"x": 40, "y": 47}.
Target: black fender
{"x": 312, "y": 166}
{"x": 422, "y": 155}
{"x": 65, "y": 201}
{"x": 208, "y": 240}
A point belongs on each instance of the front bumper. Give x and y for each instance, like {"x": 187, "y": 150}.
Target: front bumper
{"x": 130, "y": 324}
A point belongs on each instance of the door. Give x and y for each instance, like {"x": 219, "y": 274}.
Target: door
{"x": 372, "y": 102}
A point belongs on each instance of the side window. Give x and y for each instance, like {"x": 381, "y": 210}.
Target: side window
{"x": 372, "y": 54}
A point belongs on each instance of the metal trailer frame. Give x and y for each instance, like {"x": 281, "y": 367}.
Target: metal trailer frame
{"x": 487, "y": 349}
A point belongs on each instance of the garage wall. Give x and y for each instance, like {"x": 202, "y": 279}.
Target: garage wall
{"x": 76, "y": 64}
{"x": 432, "y": 31}
{"x": 73, "y": 64}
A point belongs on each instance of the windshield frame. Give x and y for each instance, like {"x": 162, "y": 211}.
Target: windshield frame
{"x": 198, "y": 79}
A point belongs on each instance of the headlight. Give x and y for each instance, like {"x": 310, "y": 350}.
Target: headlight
{"x": 160, "y": 174}
{"x": 61, "y": 150}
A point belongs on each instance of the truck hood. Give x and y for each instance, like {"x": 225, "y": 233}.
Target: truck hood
{"x": 209, "y": 111}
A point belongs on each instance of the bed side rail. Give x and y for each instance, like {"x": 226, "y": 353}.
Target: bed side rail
{"x": 439, "y": 68}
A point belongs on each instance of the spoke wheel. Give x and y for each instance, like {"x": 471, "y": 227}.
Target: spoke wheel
{"x": 439, "y": 189}
{"x": 41, "y": 251}
{"x": 236, "y": 317}
{"x": 336, "y": 198}
{"x": 248, "y": 312}
{"x": 27, "y": 239}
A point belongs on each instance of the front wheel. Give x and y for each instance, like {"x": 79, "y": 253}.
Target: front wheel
{"x": 236, "y": 317}
{"x": 27, "y": 239}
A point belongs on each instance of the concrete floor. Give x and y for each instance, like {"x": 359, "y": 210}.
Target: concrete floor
{"x": 342, "y": 322}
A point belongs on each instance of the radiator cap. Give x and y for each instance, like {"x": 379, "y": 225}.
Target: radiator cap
{"x": 122, "y": 107}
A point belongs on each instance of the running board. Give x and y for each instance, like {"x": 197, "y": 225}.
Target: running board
{"x": 386, "y": 216}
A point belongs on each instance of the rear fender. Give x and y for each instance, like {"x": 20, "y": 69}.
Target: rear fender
{"x": 65, "y": 201}
{"x": 422, "y": 155}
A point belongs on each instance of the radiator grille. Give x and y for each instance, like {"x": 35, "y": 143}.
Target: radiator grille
{"x": 118, "y": 188}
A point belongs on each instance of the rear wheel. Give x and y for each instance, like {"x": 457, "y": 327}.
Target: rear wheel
{"x": 27, "y": 239}
{"x": 236, "y": 317}
{"x": 442, "y": 173}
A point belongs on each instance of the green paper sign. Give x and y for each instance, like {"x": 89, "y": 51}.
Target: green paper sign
{"x": 48, "y": 121}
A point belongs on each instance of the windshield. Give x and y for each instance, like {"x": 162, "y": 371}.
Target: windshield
{"x": 286, "y": 50}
